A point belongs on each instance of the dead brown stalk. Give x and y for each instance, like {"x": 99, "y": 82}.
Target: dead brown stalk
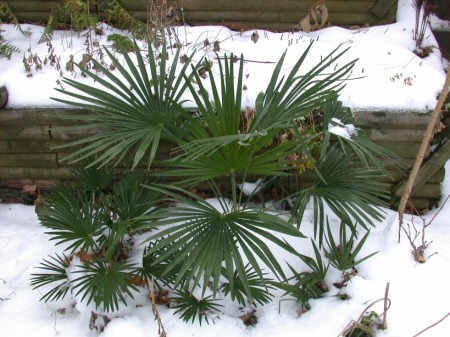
{"x": 363, "y": 326}
{"x": 413, "y": 233}
{"x": 161, "y": 331}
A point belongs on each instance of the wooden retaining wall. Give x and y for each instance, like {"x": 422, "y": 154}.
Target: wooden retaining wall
{"x": 27, "y": 156}
{"x": 237, "y": 14}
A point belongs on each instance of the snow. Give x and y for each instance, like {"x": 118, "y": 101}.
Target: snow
{"x": 392, "y": 78}
{"x": 438, "y": 24}
{"x": 419, "y": 292}
{"x": 340, "y": 129}
{"x": 387, "y": 75}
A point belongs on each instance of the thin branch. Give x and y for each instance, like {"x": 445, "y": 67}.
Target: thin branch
{"x": 432, "y": 325}
{"x": 439, "y": 210}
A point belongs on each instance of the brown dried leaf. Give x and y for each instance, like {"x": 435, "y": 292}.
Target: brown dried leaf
{"x": 255, "y": 36}
{"x": 305, "y": 24}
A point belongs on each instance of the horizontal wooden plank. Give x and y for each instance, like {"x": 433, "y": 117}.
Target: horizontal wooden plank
{"x": 257, "y": 5}
{"x": 200, "y": 12}
{"x": 404, "y": 149}
{"x": 198, "y": 17}
{"x": 393, "y": 135}
{"x": 381, "y": 7}
{"x": 393, "y": 119}
{"x": 39, "y": 116}
{"x": 35, "y": 160}
{"x": 43, "y": 133}
{"x": 32, "y": 6}
{"x": 41, "y": 184}
{"x": 27, "y": 146}
{"x": 35, "y": 173}
{"x": 428, "y": 190}
{"x": 13, "y": 132}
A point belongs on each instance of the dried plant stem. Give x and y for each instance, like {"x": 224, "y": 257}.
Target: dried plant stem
{"x": 161, "y": 331}
{"x": 386, "y": 307}
{"x": 432, "y": 325}
{"x": 423, "y": 148}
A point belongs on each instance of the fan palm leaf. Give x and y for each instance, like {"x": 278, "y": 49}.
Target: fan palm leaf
{"x": 131, "y": 112}
{"x": 209, "y": 241}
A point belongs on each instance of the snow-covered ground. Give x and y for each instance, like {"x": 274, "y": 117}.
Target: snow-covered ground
{"x": 392, "y": 78}
{"x": 419, "y": 292}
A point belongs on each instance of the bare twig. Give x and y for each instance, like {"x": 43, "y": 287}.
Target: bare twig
{"x": 236, "y": 59}
{"x": 423, "y": 148}
{"x": 161, "y": 331}
{"x": 432, "y": 325}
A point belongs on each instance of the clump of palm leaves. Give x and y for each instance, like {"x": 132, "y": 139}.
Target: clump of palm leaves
{"x": 96, "y": 229}
{"x": 194, "y": 244}
{"x": 343, "y": 254}
{"x": 306, "y": 285}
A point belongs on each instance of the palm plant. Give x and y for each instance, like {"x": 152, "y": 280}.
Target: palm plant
{"x": 197, "y": 243}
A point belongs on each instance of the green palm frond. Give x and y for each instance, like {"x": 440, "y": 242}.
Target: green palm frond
{"x": 216, "y": 145}
{"x": 131, "y": 200}
{"x": 206, "y": 237}
{"x": 306, "y": 286}
{"x": 293, "y": 96}
{"x": 56, "y": 271}
{"x": 190, "y": 307}
{"x": 350, "y": 192}
{"x": 155, "y": 268}
{"x": 315, "y": 264}
{"x": 72, "y": 218}
{"x": 105, "y": 284}
{"x": 259, "y": 287}
{"x": 132, "y": 112}
{"x": 92, "y": 178}
{"x": 343, "y": 255}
